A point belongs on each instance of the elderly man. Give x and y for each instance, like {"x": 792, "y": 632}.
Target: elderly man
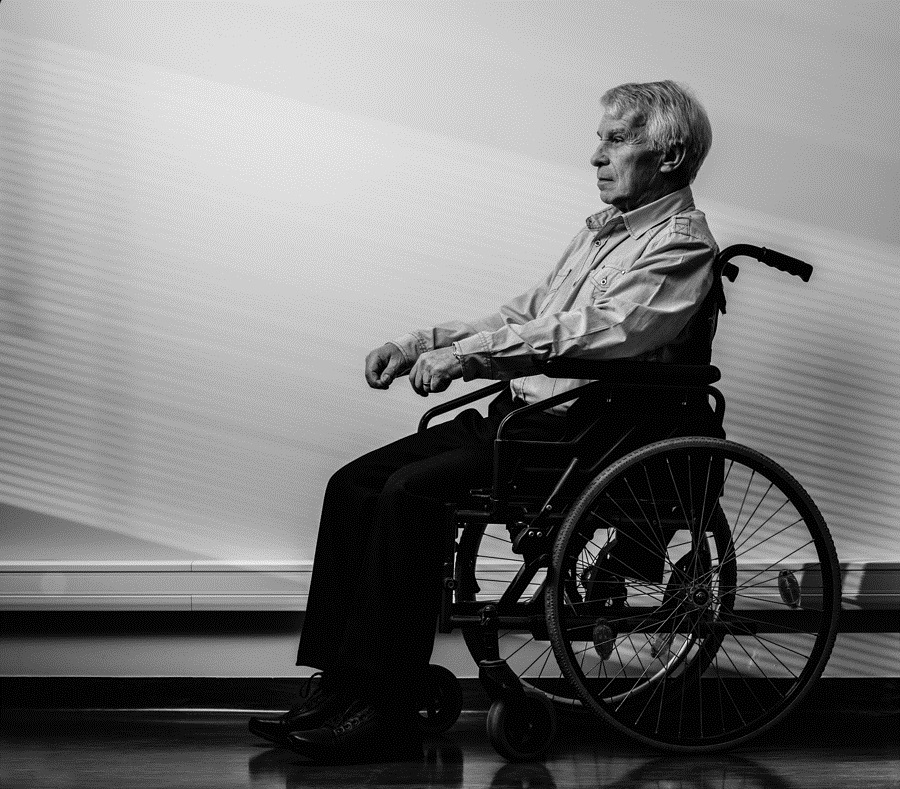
{"x": 627, "y": 286}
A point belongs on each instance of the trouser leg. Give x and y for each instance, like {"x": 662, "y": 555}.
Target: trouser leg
{"x": 389, "y": 633}
{"x": 376, "y": 577}
{"x": 375, "y": 591}
{"x": 640, "y": 549}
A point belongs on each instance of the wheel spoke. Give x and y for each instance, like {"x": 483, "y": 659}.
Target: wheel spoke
{"x": 708, "y": 669}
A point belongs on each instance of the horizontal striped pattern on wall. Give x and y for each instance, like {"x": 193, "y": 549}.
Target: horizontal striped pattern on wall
{"x": 191, "y": 274}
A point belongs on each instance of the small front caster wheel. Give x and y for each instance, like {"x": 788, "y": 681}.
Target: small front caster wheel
{"x": 522, "y": 730}
{"x": 441, "y": 702}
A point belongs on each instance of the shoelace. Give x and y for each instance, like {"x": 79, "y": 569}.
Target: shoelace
{"x": 307, "y": 685}
{"x": 306, "y": 691}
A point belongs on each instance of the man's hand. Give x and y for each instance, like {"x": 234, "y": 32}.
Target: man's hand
{"x": 383, "y": 365}
{"x": 434, "y": 371}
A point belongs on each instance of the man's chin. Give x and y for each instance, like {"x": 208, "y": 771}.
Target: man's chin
{"x": 606, "y": 192}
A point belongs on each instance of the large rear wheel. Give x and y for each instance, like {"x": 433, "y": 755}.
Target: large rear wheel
{"x": 694, "y": 594}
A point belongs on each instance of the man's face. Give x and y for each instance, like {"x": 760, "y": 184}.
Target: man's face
{"x": 628, "y": 174}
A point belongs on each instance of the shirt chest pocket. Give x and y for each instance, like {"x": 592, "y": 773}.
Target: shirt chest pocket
{"x": 604, "y": 278}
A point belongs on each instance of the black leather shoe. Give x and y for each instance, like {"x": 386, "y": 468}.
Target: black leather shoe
{"x": 317, "y": 707}
{"x": 362, "y": 733}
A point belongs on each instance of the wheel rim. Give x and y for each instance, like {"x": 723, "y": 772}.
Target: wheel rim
{"x": 743, "y": 549}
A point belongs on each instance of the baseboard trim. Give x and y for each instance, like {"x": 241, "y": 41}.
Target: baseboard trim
{"x": 269, "y": 586}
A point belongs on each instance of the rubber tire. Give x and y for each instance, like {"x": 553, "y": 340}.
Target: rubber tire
{"x": 443, "y": 701}
{"x": 828, "y": 560}
{"x": 522, "y": 733}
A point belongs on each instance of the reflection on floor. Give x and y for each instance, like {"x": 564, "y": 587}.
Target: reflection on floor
{"x": 106, "y": 749}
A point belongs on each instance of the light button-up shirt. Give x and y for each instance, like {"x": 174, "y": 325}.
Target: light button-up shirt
{"x": 626, "y": 287}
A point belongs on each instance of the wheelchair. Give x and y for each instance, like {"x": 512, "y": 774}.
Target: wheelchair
{"x": 678, "y": 586}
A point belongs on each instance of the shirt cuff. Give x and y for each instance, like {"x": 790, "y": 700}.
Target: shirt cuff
{"x": 474, "y": 355}
{"x": 412, "y": 345}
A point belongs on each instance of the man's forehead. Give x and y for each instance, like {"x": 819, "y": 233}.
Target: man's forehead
{"x": 625, "y": 121}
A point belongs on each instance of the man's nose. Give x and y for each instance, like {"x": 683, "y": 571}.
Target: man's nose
{"x": 599, "y": 158}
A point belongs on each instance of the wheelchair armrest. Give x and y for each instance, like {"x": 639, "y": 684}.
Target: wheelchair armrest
{"x": 630, "y": 373}
{"x": 459, "y": 402}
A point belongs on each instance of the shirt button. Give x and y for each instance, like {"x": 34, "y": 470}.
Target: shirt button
{"x": 603, "y": 281}
{"x": 597, "y": 243}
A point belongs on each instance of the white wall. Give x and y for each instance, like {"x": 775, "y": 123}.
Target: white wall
{"x": 212, "y": 211}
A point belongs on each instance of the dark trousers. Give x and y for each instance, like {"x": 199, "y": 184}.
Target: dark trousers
{"x": 376, "y": 584}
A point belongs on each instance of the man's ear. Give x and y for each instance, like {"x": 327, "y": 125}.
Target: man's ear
{"x": 672, "y": 159}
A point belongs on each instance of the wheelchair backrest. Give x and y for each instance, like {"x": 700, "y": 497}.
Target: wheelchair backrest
{"x": 696, "y": 347}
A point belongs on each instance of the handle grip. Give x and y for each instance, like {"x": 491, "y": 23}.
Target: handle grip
{"x": 786, "y": 263}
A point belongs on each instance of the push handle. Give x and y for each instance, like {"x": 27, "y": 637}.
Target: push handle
{"x": 770, "y": 257}
{"x": 786, "y": 263}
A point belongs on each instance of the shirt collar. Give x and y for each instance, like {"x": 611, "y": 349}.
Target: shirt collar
{"x": 640, "y": 220}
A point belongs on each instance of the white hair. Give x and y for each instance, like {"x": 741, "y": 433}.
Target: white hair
{"x": 671, "y": 115}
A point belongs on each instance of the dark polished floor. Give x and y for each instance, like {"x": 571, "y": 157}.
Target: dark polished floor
{"x": 116, "y": 749}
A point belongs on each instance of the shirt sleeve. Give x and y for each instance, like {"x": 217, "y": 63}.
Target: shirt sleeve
{"x": 643, "y": 310}
{"x": 520, "y": 310}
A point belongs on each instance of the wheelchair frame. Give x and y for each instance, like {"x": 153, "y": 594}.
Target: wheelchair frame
{"x": 543, "y": 531}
